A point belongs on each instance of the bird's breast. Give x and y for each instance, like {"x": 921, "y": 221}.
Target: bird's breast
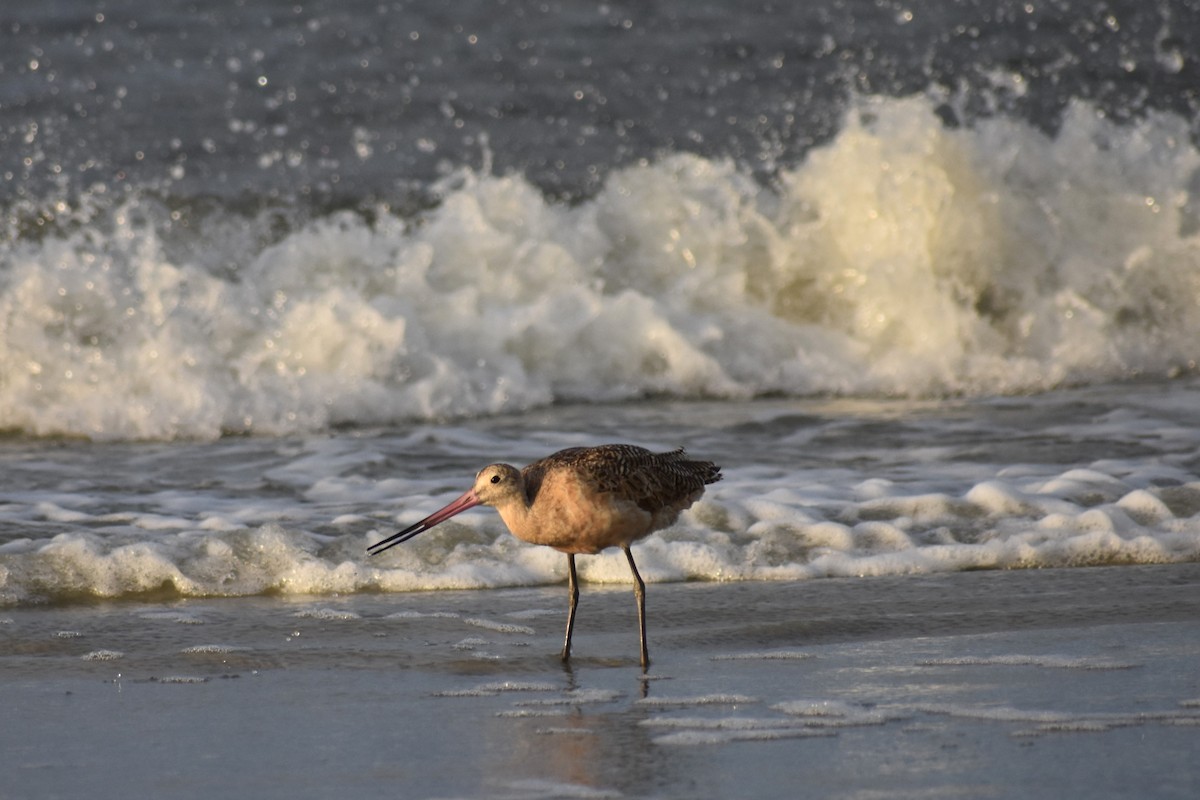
{"x": 573, "y": 518}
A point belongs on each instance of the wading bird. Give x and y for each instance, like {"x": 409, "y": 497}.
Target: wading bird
{"x": 583, "y": 500}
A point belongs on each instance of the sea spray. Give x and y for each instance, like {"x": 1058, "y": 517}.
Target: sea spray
{"x": 903, "y": 257}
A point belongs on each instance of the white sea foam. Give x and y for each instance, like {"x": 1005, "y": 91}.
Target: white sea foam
{"x": 327, "y": 614}
{"x": 1025, "y": 517}
{"x": 722, "y": 730}
{"x": 498, "y": 687}
{"x": 837, "y": 714}
{"x": 541, "y": 711}
{"x": 902, "y": 257}
{"x": 699, "y": 700}
{"x": 499, "y": 627}
{"x": 1045, "y": 721}
{"x": 212, "y": 649}
{"x": 816, "y": 717}
{"x": 1050, "y": 662}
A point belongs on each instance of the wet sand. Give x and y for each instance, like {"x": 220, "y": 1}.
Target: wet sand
{"x": 1047, "y": 683}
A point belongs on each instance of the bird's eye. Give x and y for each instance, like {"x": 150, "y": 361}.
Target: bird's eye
{"x": 495, "y": 479}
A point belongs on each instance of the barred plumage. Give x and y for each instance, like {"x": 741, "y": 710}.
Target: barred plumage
{"x": 652, "y": 480}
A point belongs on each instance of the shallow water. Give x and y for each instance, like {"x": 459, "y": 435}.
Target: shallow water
{"x": 812, "y": 488}
{"x": 277, "y": 279}
{"x": 1014, "y": 684}
{"x": 282, "y": 220}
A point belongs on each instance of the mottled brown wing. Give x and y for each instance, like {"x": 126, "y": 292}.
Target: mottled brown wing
{"x": 533, "y": 474}
{"x": 653, "y": 481}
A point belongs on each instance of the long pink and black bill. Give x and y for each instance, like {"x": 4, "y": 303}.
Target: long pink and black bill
{"x": 467, "y": 500}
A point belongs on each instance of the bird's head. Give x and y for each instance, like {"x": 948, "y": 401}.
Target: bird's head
{"x": 496, "y": 484}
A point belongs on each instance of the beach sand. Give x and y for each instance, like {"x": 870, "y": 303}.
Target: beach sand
{"x": 1038, "y": 683}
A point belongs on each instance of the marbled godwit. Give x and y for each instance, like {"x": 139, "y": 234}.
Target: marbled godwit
{"x": 583, "y": 500}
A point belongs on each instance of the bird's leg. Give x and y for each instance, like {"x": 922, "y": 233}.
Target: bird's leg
{"x": 573, "y": 593}
{"x": 639, "y": 591}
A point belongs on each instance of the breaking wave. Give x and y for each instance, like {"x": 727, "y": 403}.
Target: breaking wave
{"x": 904, "y": 257}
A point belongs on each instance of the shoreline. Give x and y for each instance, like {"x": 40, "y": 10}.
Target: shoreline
{"x": 1004, "y": 684}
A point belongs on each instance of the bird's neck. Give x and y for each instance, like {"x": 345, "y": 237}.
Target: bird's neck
{"x": 518, "y": 516}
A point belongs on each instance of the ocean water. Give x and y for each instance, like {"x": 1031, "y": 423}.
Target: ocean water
{"x": 276, "y": 278}
{"x": 1017, "y": 683}
{"x": 1096, "y": 476}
